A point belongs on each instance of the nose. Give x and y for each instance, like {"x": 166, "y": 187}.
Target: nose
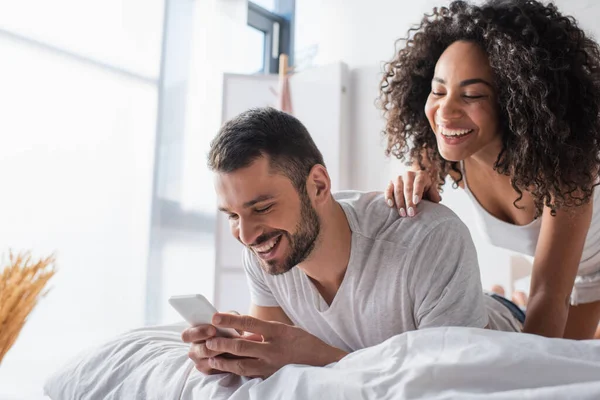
{"x": 449, "y": 109}
{"x": 246, "y": 231}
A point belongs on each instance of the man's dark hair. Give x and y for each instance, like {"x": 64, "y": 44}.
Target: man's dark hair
{"x": 265, "y": 132}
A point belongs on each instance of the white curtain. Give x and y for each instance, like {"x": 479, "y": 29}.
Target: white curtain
{"x": 78, "y": 105}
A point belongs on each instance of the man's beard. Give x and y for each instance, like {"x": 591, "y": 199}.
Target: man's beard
{"x": 301, "y": 243}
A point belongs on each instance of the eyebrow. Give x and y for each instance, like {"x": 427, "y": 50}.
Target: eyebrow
{"x": 465, "y": 82}
{"x": 248, "y": 204}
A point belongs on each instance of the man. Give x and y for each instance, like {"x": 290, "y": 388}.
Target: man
{"x": 328, "y": 274}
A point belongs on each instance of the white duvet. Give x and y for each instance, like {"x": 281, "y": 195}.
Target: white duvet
{"x": 441, "y": 363}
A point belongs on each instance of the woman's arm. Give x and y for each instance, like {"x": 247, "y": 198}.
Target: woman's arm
{"x": 557, "y": 258}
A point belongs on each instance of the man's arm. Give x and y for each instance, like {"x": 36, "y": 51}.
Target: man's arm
{"x": 274, "y": 314}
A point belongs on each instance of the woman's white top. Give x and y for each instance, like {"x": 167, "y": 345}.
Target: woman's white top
{"x": 523, "y": 238}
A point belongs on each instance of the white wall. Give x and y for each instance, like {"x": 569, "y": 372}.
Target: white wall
{"x": 362, "y": 34}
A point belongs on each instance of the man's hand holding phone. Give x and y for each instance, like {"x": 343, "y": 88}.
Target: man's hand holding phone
{"x": 271, "y": 346}
{"x": 262, "y": 349}
{"x": 198, "y": 312}
{"x": 200, "y": 354}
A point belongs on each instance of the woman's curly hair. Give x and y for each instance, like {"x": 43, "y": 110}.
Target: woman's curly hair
{"x": 547, "y": 78}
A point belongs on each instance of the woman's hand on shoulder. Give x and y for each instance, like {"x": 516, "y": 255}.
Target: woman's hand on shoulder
{"x": 407, "y": 190}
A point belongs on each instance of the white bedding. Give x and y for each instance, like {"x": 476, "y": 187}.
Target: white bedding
{"x": 441, "y": 363}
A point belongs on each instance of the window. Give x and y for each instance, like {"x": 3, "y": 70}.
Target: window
{"x": 250, "y": 52}
{"x": 79, "y": 102}
{"x": 269, "y": 5}
{"x": 275, "y": 19}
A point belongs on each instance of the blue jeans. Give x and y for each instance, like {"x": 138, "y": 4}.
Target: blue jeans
{"x": 514, "y": 309}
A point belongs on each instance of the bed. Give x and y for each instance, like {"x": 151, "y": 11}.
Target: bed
{"x": 439, "y": 363}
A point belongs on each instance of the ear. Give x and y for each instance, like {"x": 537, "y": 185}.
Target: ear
{"x": 318, "y": 184}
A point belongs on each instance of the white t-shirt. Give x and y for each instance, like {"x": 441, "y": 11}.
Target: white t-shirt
{"x": 403, "y": 274}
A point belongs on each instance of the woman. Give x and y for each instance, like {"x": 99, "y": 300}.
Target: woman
{"x": 504, "y": 98}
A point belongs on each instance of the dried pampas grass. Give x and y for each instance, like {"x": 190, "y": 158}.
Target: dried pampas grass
{"x": 21, "y": 285}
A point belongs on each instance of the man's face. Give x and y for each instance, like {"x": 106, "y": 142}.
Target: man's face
{"x": 268, "y": 215}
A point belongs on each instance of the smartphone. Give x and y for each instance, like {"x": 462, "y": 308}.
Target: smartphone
{"x": 197, "y": 310}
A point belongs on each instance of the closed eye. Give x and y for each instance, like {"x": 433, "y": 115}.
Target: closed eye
{"x": 473, "y": 97}
{"x": 437, "y": 93}
{"x": 264, "y": 210}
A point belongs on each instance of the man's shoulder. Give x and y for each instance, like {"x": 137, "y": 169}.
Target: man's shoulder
{"x": 370, "y": 216}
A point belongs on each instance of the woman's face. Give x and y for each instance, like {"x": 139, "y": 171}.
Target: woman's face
{"x": 461, "y": 107}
